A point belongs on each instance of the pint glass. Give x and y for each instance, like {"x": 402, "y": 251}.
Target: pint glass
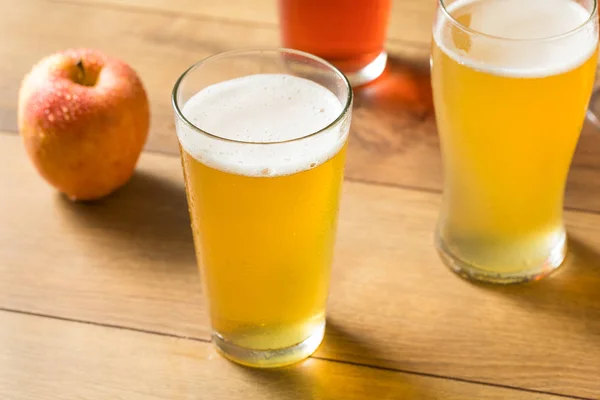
{"x": 263, "y": 135}
{"x": 511, "y": 82}
{"x": 348, "y": 33}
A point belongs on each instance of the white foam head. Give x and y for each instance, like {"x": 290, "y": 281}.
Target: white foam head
{"x": 259, "y": 112}
{"x": 521, "y": 38}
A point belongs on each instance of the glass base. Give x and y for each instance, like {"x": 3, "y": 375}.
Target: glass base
{"x": 272, "y": 358}
{"x": 368, "y": 73}
{"x": 472, "y": 272}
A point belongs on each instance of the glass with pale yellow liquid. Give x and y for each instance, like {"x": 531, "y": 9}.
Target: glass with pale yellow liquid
{"x": 263, "y": 138}
{"x": 511, "y": 82}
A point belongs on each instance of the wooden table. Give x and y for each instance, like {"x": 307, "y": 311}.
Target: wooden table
{"x": 103, "y": 300}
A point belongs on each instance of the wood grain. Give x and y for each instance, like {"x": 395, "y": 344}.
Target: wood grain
{"x": 394, "y": 138}
{"x": 410, "y": 20}
{"x": 51, "y": 359}
{"x": 128, "y": 260}
{"x": 159, "y": 47}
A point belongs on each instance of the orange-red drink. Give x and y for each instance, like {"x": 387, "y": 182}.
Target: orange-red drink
{"x": 348, "y": 33}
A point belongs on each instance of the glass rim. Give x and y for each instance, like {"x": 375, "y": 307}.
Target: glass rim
{"x": 258, "y": 50}
{"x": 470, "y": 31}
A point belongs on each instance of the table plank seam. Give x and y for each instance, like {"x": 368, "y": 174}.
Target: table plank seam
{"x": 389, "y": 185}
{"x": 429, "y": 375}
{"x": 348, "y": 179}
{"x": 440, "y": 192}
{"x": 101, "y": 324}
{"x": 393, "y": 185}
{"x": 172, "y": 14}
{"x": 326, "y": 359}
{"x": 201, "y": 17}
{"x": 385, "y": 184}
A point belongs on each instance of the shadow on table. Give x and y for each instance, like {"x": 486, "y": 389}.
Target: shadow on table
{"x": 148, "y": 215}
{"x": 405, "y": 85}
{"x": 329, "y": 380}
{"x": 323, "y": 377}
{"x": 392, "y": 116}
{"x": 300, "y": 381}
{"x": 572, "y": 293}
{"x": 345, "y": 345}
{"x": 383, "y": 377}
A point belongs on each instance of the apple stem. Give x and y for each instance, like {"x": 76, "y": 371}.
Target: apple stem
{"x": 82, "y": 71}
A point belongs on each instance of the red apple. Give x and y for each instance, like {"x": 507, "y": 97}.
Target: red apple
{"x": 84, "y": 119}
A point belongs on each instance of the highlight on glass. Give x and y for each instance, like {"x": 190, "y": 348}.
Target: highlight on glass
{"x": 348, "y": 33}
{"x": 263, "y": 138}
{"x": 511, "y": 81}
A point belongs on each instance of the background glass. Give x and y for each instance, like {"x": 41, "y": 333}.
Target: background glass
{"x": 348, "y": 33}
{"x": 264, "y": 241}
{"x": 509, "y": 112}
{"x": 594, "y": 108}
